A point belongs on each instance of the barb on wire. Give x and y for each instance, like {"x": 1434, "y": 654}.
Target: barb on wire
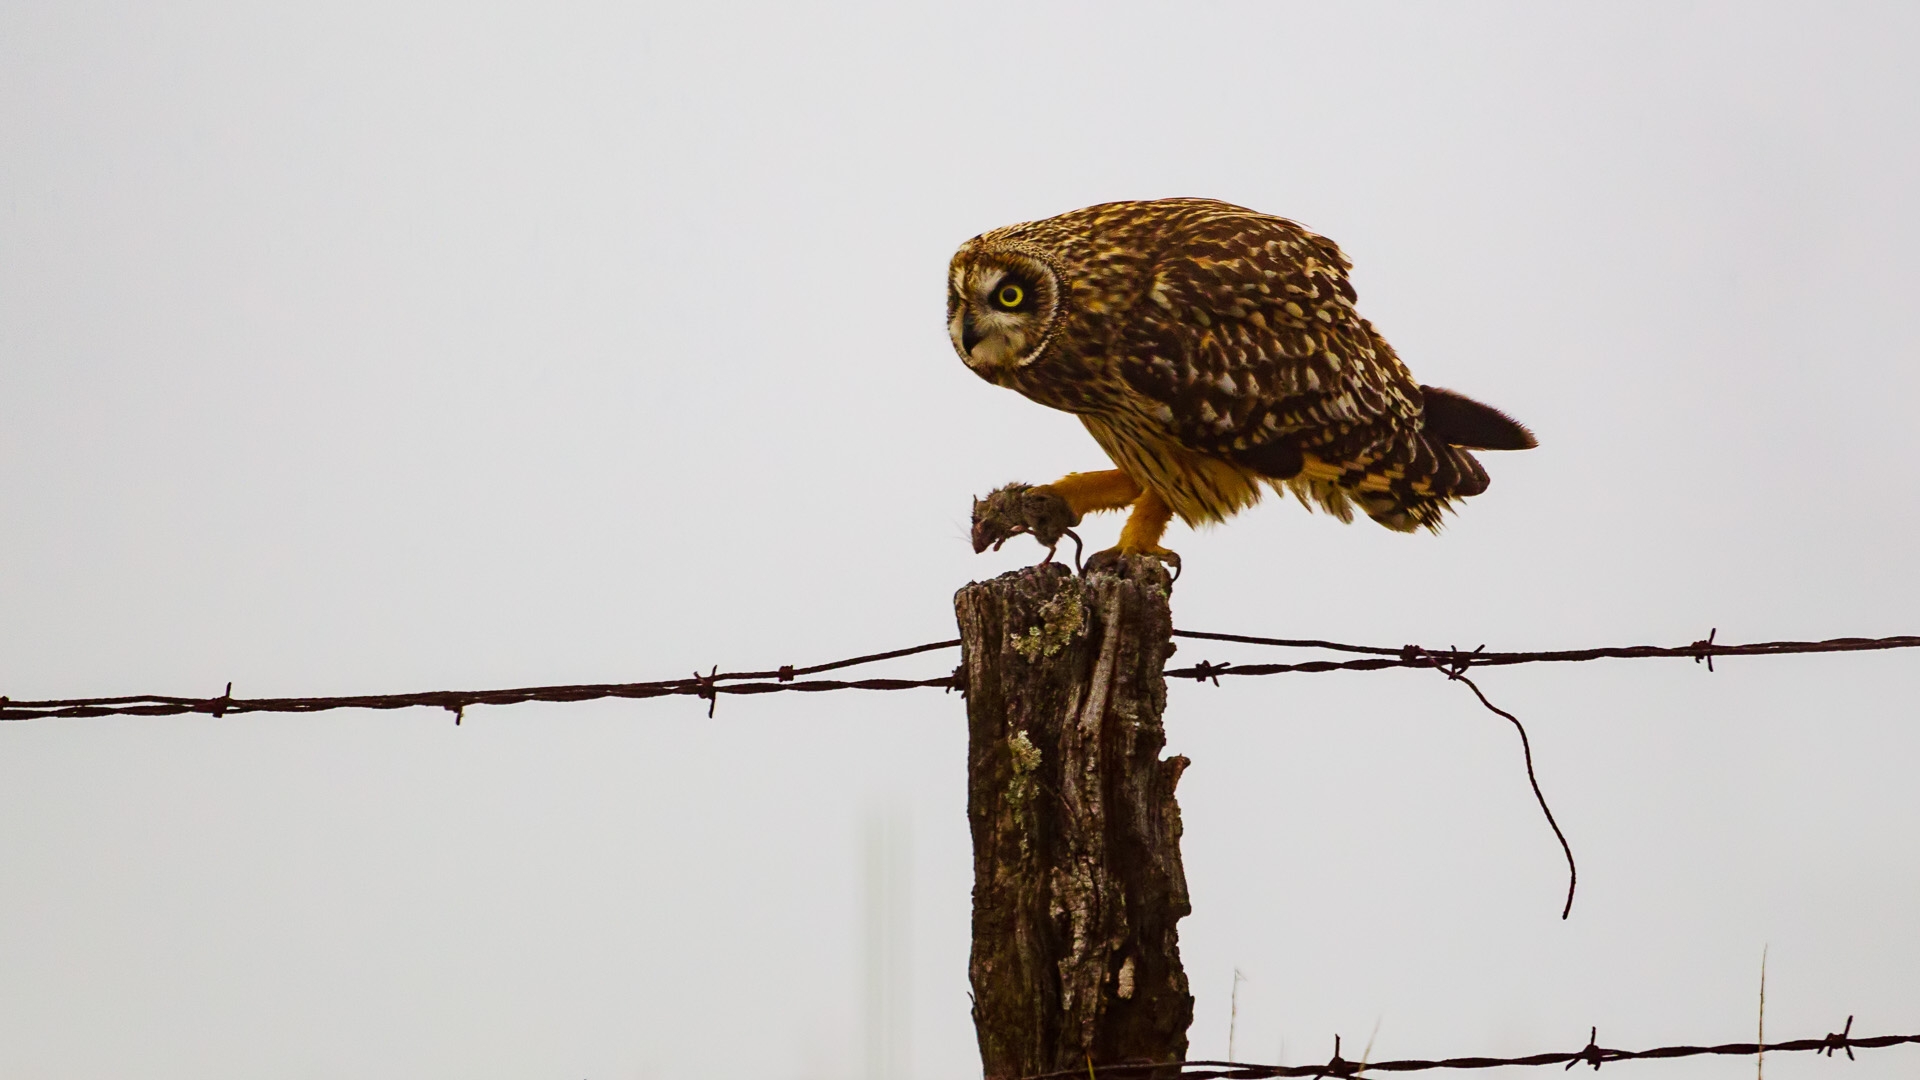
{"x": 1591, "y": 1054}
{"x": 1704, "y": 649}
{"x": 789, "y": 678}
{"x": 1841, "y": 1040}
{"x": 705, "y": 690}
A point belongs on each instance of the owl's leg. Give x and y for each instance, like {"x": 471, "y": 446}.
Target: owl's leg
{"x": 1090, "y": 492}
{"x": 1141, "y": 534}
{"x": 1145, "y": 526}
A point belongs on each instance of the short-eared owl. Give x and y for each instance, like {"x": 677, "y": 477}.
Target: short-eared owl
{"x": 1211, "y": 351}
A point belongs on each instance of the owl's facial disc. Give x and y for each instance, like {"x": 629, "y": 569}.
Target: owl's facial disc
{"x": 1000, "y": 309}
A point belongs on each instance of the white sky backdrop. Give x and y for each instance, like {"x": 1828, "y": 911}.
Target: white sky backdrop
{"x": 367, "y": 348}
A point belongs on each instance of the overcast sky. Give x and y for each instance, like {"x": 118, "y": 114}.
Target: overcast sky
{"x": 360, "y": 348}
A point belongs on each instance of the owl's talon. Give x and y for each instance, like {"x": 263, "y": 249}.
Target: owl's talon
{"x": 1114, "y": 559}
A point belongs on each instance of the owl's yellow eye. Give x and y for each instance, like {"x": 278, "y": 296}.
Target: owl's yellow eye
{"x": 1010, "y": 296}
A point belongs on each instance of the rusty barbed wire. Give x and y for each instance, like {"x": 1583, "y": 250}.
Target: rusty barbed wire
{"x": 709, "y": 686}
{"x": 1591, "y": 1054}
{"x": 1454, "y": 664}
{"x": 1416, "y": 656}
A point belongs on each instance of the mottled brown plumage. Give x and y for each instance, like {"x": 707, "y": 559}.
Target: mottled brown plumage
{"x": 1212, "y": 351}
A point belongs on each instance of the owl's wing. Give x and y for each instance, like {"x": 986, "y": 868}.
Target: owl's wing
{"x": 1247, "y": 333}
{"x": 1246, "y": 346}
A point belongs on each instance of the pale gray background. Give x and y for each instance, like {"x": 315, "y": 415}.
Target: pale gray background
{"x": 374, "y": 348}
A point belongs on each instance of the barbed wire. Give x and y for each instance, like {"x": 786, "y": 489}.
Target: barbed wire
{"x": 1591, "y": 1054}
{"x": 1418, "y": 656}
{"x": 707, "y": 687}
{"x": 787, "y": 678}
{"x": 1454, "y": 664}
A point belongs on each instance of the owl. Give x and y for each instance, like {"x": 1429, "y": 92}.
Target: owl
{"x": 1214, "y": 353}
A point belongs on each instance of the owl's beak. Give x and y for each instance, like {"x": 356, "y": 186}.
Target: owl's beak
{"x": 969, "y": 337}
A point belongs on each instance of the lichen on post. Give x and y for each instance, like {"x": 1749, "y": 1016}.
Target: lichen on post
{"x": 1077, "y": 876}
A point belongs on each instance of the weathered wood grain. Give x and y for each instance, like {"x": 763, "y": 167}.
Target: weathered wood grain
{"x": 1076, "y": 834}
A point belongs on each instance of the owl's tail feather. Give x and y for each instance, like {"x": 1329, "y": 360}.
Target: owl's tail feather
{"x": 1458, "y": 420}
{"x": 1448, "y": 473}
{"x": 1404, "y": 478}
{"x": 1451, "y": 424}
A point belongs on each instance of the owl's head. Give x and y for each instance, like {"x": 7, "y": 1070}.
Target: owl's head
{"x": 1004, "y": 305}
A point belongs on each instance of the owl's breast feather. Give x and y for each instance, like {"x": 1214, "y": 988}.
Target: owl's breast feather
{"x": 1199, "y": 487}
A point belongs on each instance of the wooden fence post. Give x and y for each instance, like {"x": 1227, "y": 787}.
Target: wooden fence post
{"x": 1076, "y": 835}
